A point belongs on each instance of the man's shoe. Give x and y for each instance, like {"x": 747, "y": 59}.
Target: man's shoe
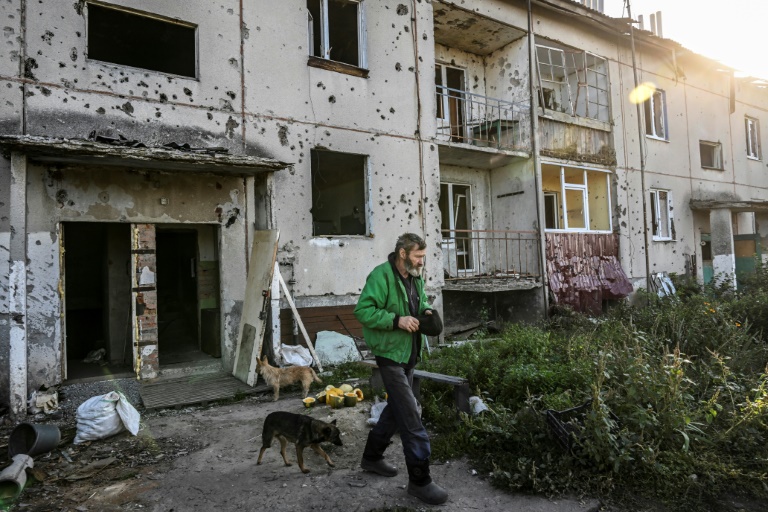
{"x": 430, "y": 493}
{"x": 381, "y": 467}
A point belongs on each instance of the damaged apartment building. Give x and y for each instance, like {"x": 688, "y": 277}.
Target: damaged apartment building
{"x": 144, "y": 146}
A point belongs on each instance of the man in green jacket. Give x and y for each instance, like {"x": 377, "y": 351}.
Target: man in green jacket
{"x": 389, "y": 308}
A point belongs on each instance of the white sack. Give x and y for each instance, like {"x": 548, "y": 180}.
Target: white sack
{"x": 103, "y": 416}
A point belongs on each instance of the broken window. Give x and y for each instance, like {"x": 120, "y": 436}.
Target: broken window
{"x": 576, "y": 199}
{"x": 711, "y": 154}
{"x": 456, "y": 223}
{"x": 661, "y": 214}
{"x": 337, "y": 31}
{"x": 574, "y": 82}
{"x": 128, "y": 38}
{"x": 338, "y": 193}
{"x": 656, "y": 115}
{"x": 753, "y": 137}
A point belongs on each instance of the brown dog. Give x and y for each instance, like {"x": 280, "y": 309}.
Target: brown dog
{"x": 281, "y": 377}
{"x": 301, "y": 430}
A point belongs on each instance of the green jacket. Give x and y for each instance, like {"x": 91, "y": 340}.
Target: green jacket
{"x": 383, "y": 298}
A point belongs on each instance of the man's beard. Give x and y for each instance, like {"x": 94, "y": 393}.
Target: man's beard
{"x": 411, "y": 268}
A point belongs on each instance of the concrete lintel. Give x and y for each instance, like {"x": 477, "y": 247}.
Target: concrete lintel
{"x": 49, "y": 150}
{"x": 734, "y": 205}
{"x": 17, "y": 285}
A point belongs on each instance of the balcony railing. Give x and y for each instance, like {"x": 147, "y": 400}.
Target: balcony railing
{"x": 476, "y": 253}
{"x": 482, "y": 121}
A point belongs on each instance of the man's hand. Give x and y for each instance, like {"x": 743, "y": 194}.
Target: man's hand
{"x": 408, "y": 323}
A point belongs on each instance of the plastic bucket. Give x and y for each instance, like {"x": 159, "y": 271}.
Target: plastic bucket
{"x": 29, "y": 439}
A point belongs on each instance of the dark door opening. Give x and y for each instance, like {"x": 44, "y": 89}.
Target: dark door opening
{"x": 97, "y": 299}
{"x": 184, "y": 289}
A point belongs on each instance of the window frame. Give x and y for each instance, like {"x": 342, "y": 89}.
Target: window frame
{"x": 367, "y": 209}
{"x": 561, "y": 86}
{"x": 556, "y": 209}
{"x": 664, "y": 121}
{"x": 149, "y": 15}
{"x": 717, "y": 147}
{"x": 751, "y": 125}
{"x": 583, "y": 187}
{"x": 325, "y": 49}
{"x": 656, "y": 215}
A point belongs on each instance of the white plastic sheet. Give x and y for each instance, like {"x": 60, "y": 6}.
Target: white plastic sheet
{"x": 296, "y": 355}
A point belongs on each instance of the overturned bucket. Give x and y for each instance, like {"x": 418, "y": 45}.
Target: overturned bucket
{"x": 29, "y": 439}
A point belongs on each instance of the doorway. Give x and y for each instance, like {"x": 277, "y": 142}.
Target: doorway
{"x": 451, "y": 102}
{"x": 187, "y": 294}
{"x": 97, "y": 295}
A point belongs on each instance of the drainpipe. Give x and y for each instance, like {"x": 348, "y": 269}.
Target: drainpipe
{"x": 641, "y": 139}
{"x": 537, "y": 161}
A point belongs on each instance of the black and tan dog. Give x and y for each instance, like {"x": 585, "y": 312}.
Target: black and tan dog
{"x": 301, "y": 430}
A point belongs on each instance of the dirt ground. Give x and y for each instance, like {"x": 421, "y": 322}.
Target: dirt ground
{"x": 204, "y": 458}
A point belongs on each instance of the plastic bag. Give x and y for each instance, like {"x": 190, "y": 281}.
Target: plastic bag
{"x": 376, "y": 409}
{"x": 296, "y": 355}
{"x": 103, "y": 416}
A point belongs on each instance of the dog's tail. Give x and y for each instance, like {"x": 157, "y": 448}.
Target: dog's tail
{"x": 314, "y": 376}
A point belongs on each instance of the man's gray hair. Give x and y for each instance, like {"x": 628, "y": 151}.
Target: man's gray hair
{"x": 409, "y": 242}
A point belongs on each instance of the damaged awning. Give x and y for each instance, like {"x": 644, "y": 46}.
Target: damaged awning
{"x": 735, "y": 205}
{"x": 584, "y": 269}
{"x": 78, "y": 151}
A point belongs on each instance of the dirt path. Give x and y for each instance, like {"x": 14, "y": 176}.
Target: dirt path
{"x": 205, "y": 459}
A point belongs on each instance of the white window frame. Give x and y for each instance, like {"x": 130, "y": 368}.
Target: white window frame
{"x": 325, "y": 48}
{"x": 587, "y": 77}
{"x": 583, "y": 187}
{"x": 656, "y": 224}
{"x": 752, "y": 126}
{"x": 653, "y": 107}
{"x": 718, "y": 155}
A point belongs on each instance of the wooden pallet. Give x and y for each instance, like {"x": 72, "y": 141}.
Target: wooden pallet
{"x": 195, "y": 389}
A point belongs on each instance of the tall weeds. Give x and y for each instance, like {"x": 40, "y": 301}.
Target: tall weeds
{"x": 678, "y": 390}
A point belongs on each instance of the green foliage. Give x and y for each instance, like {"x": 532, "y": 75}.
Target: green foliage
{"x": 677, "y": 390}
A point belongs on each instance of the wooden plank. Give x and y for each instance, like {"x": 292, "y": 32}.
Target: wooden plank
{"x": 298, "y": 320}
{"x": 252, "y": 326}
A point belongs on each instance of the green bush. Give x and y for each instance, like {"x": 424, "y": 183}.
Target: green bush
{"x": 678, "y": 390}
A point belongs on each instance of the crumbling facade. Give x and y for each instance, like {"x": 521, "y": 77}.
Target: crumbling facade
{"x": 143, "y": 145}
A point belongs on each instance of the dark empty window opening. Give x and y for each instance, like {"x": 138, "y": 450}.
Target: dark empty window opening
{"x": 338, "y": 194}
{"x": 711, "y": 154}
{"x": 131, "y": 39}
{"x": 334, "y": 30}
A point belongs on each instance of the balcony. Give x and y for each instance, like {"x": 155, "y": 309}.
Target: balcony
{"x": 490, "y": 260}
{"x": 479, "y": 131}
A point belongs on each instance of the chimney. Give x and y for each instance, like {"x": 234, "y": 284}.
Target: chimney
{"x": 654, "y": 22}
{"x": 597, "y": 5}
